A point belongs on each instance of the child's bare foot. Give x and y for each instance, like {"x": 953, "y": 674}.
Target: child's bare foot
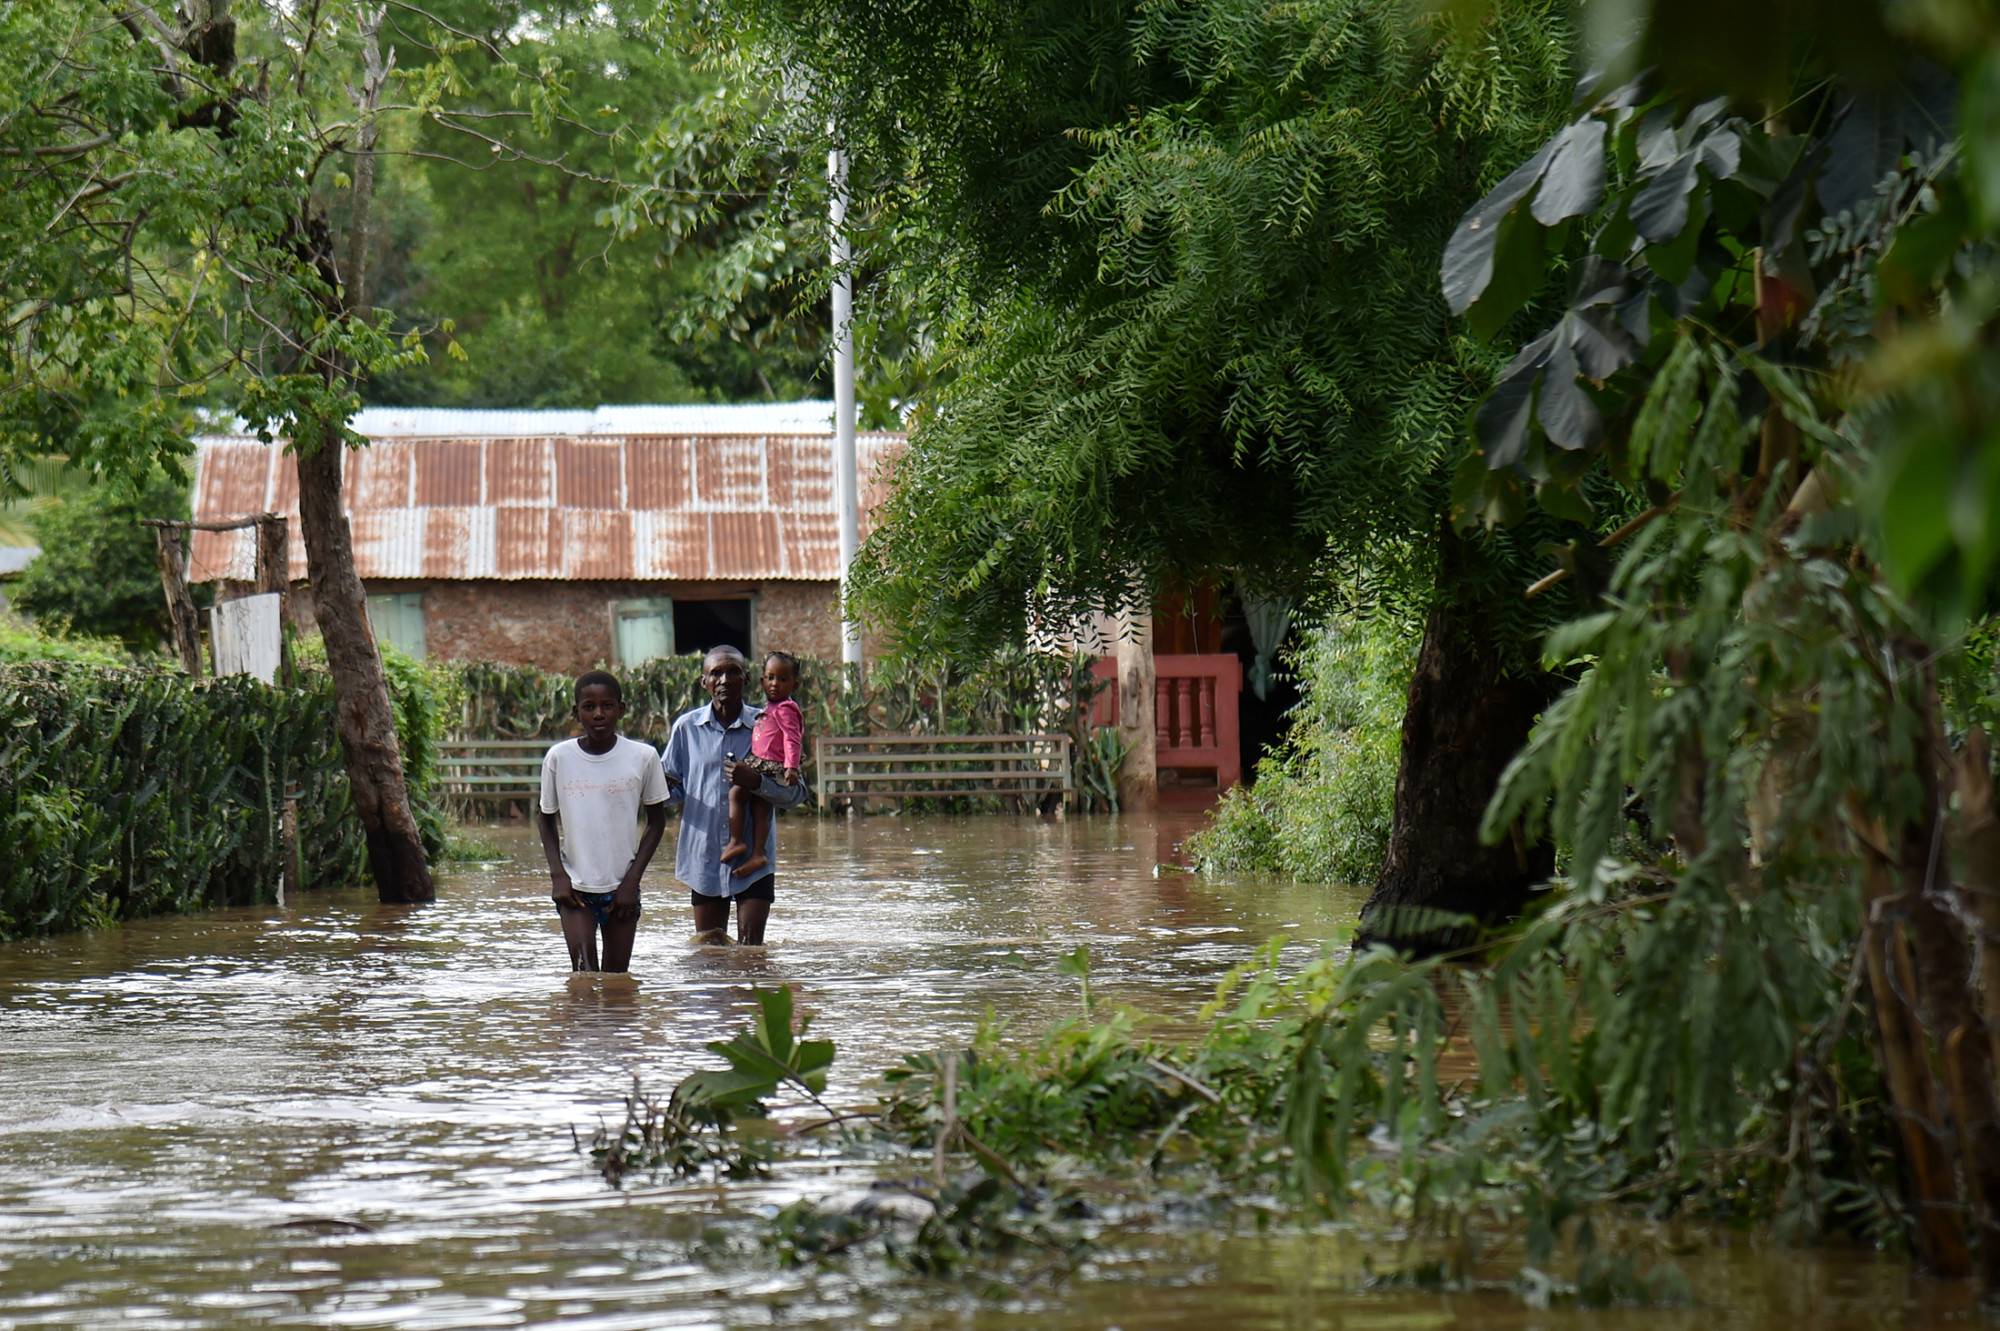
{"x": 751, "y": 865}
{"x": 731, "y": 851}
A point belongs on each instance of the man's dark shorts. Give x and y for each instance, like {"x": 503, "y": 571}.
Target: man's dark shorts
{"x": 599, "y": 904}
{"x": 764, "y": 889}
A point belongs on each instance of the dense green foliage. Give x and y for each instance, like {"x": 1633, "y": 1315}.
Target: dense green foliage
{"x": 1750, "y": 398}
{"x": 97, "y": 573}
{"x": 1319, "y": 808}
{"x": 1185, "y": 287}
{"x": 130, "y": 791}
{"x": 133, "y": 792}
{"x": 547, "y": 305}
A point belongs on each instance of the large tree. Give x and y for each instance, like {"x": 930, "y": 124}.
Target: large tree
{"x": 1183, "y": 259}
{"x": 187, "y": 224}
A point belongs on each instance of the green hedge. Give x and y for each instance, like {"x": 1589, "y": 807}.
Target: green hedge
{"x": 127, "y": 792}
{"x": 1010, "y": 692}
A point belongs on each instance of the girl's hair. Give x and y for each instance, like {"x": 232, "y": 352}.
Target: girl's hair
{"x": 786, "y": 657}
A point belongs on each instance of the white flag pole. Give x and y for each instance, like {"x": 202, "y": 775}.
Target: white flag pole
{"x": 846, "y": 486}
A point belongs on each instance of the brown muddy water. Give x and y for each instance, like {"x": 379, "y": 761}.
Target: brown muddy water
{"x": 348, "y": 1115}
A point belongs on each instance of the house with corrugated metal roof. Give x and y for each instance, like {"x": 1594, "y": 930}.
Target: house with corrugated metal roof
{"x": 563, "y": 539}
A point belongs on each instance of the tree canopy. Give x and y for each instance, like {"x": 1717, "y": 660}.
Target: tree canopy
{"x": 548, "y": 302}
{"x": 1183, "y": 263}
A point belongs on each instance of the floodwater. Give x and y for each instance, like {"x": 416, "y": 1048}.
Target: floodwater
{"x": 343, "y": 1114}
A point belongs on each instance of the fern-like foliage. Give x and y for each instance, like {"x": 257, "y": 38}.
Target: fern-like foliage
{"x": 1182, "y": 261}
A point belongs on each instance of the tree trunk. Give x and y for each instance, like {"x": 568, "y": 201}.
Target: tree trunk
{"x": 172, "y": 559}
{"x": 1930, "y": 1186}
{"x": 365, "y": 721}
{"x": 367, "y": 725}
{"x": 1468, "y": 715}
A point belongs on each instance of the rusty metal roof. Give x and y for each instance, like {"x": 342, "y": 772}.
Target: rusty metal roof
{"x": 736, "y": 493}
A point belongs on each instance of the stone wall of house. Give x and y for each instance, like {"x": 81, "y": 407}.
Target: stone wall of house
{"x": 566, "y": 626}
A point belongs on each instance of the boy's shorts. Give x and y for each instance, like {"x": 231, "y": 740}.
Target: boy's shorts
{"x": 599, "y": 904}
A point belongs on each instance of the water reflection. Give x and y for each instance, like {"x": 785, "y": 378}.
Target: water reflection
{"x": 399, "y": 1086}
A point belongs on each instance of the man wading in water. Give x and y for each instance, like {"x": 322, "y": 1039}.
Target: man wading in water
{"x": 704, "y": 758}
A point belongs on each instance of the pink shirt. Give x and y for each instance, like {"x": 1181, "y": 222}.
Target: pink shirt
{"x": 780, "y": 736}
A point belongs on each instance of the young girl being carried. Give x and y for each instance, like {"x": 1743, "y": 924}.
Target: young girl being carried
{"x": 777, "y": 749}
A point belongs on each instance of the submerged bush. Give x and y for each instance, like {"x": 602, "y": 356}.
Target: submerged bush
{"x": 133, "y": 791}
{"x": 1438, "y": 1105}
{"x": 1320, "y": 808}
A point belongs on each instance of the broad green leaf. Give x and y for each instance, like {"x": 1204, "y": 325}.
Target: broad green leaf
{"x": 1471, "y": 254}
{"x": 1565, "y": 411}
{"x": 810, "y": 1065}
{"x": 1573, "y": 185}
{"x": 1917, "y": 490}
{"x": 774, "y": 1022}
{"x": 1517, "y": 267}
{"x": 724, "y": 1090}
{"x": 1674, "y": 260}
{"x": 1502, "y": 422}
{"x": 1660, "y": 210}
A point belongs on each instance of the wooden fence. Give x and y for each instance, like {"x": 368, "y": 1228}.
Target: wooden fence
{"x": 1031, "y": 767}
{"x": 493, "y": 771}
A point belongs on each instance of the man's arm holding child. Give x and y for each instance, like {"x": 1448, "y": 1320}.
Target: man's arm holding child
{"x": 765, "y": 788}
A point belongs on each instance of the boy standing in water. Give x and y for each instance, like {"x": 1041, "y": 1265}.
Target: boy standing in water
{"x": 593, "y": 788}
{"x": 777, "y": 750}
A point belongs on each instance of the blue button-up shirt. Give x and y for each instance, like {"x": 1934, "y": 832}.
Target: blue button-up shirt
{"x": 693, "y": 764}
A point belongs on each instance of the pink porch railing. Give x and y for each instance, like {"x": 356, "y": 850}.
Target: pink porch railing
{"x": 1194, "y": 718}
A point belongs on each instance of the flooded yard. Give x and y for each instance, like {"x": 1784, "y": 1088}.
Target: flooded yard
{"x": 346, "y": 1114}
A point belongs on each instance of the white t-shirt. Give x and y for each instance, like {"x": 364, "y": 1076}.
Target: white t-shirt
{"x": 597, "y": 796}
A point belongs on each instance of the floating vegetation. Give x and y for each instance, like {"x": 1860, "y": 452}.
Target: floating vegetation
{"x": 1437, "y": 1113}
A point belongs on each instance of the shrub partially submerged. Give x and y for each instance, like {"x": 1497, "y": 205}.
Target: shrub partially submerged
{"x": 128, "y": 791}
{"x": 1319, "y": 810}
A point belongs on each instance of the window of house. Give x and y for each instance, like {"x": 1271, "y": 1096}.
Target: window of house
{"x": 644, "y": 630}
{"x": 398, "y": 618}
{"x": 701, "y": 625}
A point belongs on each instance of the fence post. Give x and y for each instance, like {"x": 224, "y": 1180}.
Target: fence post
{"x": 274, "y": 574}
{"x": 172, "y": 558}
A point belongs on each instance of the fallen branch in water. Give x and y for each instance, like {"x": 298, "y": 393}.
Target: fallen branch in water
{"x": 794, "y": 1129}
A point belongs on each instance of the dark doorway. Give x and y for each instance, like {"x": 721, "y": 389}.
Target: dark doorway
{"x": 701, "y": 625}
{"x": 1261, "y": 723}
